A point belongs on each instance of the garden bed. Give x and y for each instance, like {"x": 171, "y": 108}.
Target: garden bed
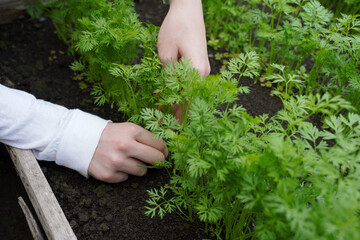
{"x": 33, "y": 59}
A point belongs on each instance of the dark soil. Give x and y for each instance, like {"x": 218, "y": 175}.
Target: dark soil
{"x": 12, "y": 221}
{"x": 33, "y": 59}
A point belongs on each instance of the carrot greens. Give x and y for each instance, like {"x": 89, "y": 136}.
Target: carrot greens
{"x": 294, "y": 175}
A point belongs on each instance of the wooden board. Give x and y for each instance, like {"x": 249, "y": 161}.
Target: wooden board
{"x": 12, "y": 9}
{"x": 48, "y": 210}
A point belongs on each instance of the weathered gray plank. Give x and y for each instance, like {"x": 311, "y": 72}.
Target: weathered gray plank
{"x": 11, "y": 9}
{"x": 35, "y": 229}
{"x": 47, "y": 208}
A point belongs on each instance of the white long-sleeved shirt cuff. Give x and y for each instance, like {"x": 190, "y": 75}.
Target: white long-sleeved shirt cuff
{"x": 78, "y": 141}
{"x": 53, "y": 132}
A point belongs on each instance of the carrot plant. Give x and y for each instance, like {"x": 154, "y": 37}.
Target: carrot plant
{"x": 261, "y": 177}
{"x": 297, "y": 34}
{"x": 343, "y": 6}
{"x": 257, "y": 177}
{"x": 108, "y": 40}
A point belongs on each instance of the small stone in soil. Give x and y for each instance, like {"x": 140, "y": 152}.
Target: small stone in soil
{"x": 129, "y": 208}
{"x": 99, "y": 219}
{"x": 88, "y": 203}
{"x": 103, "y": 202}
{"x": 104, "y": 227}
{"x": 108, "y": 217}
{"x": 73, "y": 223}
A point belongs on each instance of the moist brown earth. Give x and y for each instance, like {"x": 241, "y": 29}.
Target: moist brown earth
{"x": 33, "y": 59}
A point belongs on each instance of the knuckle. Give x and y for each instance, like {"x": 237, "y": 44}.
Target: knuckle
{"x": 132, "y": 128}
{"x": 117, "y": 163}
{"x": 123, "y": 146}
{"x": 107, "y": 176}
{"x": 113, "y": 177}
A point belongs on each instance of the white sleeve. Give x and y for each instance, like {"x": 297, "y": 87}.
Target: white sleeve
{"x": 53, "y": 132}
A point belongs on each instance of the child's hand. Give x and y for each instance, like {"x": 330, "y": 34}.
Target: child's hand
{"x": 122, "y": 147}
{"x": 182, "y": 34}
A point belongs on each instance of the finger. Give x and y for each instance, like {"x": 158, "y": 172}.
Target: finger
{"x": 180, "y": 111}
{"x": 116, "y": 177}
{"x": 200, "y": 63}
{"x": 199, "y": 58}
{"x": 168, "y": 53}
{"x": 147, "y": 138}
{"x": 131, "y": 166}
{"x": 100, "y": 172}
{"x": 147, "y": 154}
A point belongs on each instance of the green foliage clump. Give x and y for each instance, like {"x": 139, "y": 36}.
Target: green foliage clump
{"x": 280, "y": 177}
{"x": 342, "y": 6}
{"x": 260, "y": 177}
{"x": 302, "y": 35}
{"x": 109, "y": 39}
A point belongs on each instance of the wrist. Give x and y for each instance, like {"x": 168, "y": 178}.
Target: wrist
{"x": 191, "y": 8}
{"x": 183, "y": 2}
